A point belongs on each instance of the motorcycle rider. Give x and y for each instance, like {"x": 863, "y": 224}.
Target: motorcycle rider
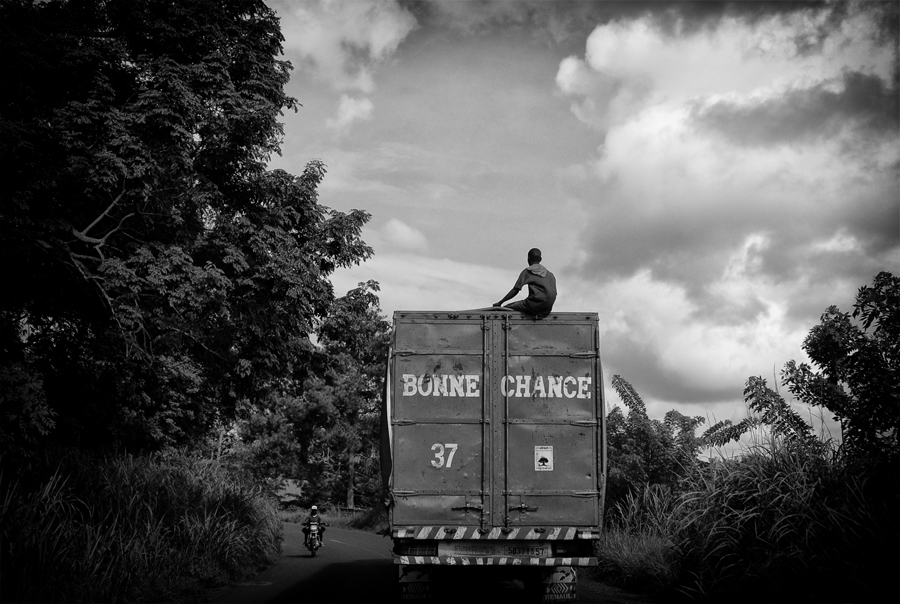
{"x": 314, "y": 517}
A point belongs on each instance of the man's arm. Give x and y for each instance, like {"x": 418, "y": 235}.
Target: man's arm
{"x": 512, "y": 294}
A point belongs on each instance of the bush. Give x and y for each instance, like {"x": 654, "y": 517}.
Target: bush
{"x": 777, "y": 524}
{"x": 131, "y": 529}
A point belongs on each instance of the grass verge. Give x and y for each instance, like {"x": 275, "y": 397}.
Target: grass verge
{"x": 776, "y": 524}
{"x": 134, "y": 529}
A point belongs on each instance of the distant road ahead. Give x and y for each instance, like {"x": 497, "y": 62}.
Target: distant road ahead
{"x": 355, "y": 566}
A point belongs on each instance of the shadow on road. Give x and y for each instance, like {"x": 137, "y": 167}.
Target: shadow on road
{"x": 375, "y": 581}
{"x": 359, "y": 581}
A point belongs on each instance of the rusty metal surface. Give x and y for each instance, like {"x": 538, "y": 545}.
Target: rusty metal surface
{"x": 496, "y": 420}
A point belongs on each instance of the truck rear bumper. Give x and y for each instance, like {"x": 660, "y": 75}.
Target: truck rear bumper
{"x": 493, "y": 561}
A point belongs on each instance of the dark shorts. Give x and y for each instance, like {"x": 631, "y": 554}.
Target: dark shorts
{"x": 530, "y": 308}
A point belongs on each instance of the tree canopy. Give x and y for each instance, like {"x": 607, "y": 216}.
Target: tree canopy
{"x": 158, "y": 278}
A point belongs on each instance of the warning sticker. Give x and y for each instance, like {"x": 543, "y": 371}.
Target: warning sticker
{"x": 543, "y": 459}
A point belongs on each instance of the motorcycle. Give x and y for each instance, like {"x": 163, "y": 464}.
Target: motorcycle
{"x": 313, "y": 541}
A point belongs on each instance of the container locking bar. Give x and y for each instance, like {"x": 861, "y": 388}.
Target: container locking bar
{"x": 522, "y": 508}
{"x": 468, "y": 507}
{"x": 506, "y": 328}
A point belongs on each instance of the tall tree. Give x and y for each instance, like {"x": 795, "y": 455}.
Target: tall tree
{"x": 157, "y": 276}
{"x": 855, "y": 371}
{"x": 355, "y": 337}
{"x": 326, "y": 433}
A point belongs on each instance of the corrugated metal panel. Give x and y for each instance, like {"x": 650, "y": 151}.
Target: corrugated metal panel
{"x": 496, "y": 420}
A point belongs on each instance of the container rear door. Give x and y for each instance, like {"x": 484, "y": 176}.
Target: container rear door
{"x": 546, "y": 422}
{"x": 438, "y": 408}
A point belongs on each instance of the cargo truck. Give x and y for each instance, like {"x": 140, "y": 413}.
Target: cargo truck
{"x": 494, "y": 448}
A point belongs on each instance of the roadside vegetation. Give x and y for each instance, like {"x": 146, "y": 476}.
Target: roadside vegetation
{"x": 373, "y": 520}
{"x": 788, "y": 516}
{"x": 171, "y": 346}
{"x": 131, "y": 529}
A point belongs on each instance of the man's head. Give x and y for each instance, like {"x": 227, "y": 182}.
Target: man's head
{"x": 534, "y": 256}
{"x": 313, "y": 510}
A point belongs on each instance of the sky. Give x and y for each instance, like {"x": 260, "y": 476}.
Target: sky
{"x": 707, "y": 177}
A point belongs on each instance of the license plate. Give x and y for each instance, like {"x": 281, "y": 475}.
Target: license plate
{"x": 512, "y": 549}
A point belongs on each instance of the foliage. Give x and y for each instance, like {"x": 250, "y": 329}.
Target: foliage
{"x": 150, "y": 258}
{"x": 643, "y": 451}
{"x": 778, "y": 523}
{"x": 858, "y": 377}
{"x": 326, "y": 435}
{"x": 130, "y": 529}
{"x": 796, "y": 519}
{"x": 26, "y": 418}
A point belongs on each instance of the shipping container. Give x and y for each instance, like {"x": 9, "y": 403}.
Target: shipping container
{"x": 494, "y": 446}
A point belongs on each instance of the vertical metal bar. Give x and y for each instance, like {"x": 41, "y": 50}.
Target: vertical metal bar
{"x": 485, "y": 447}
{"x": 505, "y": 422}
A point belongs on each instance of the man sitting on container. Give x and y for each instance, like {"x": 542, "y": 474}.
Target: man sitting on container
{"x": 541, "y": 288}
{"x": 314, "y": 517}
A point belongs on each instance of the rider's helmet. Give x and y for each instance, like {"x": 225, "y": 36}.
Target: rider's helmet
{"x": 314, "y": 510}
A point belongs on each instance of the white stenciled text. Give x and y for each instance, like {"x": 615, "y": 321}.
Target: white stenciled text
{"x": 513, "y": 386}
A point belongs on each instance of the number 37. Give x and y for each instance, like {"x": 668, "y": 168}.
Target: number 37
{"x": 449, "y": 448}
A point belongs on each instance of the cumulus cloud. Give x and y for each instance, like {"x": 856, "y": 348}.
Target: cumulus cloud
{"x": 765, "y": 137}
{"x": 646, "y": 64}
{"x": 854, "y": 100}
{"x": 342, "y": 41}
{"x": 350, "y": 110}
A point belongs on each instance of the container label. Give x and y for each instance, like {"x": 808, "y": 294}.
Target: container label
{"x": 543, "y": 459}
{"x": 513, "y": 386}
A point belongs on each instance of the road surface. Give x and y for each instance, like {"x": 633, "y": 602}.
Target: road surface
{"x": 356, "y": 566}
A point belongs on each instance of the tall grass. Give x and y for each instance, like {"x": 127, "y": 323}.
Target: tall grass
{"x": 776, "y": 524}
{"x": 131, "y": 529}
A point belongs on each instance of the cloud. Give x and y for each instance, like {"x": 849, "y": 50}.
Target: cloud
{"x": 415, "y": 282}
{"x": 400, "y": 235}
{"x": 763, "y": 138}
{"x": 630, "y": 65}
{"x": 350, "y": 110}
{"x": 821, "y": 111}
{"x": 342, "y": 41}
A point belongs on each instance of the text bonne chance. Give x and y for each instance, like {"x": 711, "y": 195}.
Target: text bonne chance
{"x": 521, "y": 386}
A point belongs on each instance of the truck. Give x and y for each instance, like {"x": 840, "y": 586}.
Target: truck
{"x": 494, "y": 448}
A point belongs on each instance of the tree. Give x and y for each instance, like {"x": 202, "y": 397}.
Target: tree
{"x": 355, "y": 337}
{"x": 326, "y": 432}
{"x": 158, "y": 278}
{"x": 644, "y": 451}
{"x": 855, "y": 374}
{"x": 855, "y": 371}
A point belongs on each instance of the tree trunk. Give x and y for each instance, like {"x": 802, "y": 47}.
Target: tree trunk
{"x": 351, "y": 476}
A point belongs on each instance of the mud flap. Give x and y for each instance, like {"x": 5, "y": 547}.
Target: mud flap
{"x": 559, "y": 584}
{"x": 415, "y": 582}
